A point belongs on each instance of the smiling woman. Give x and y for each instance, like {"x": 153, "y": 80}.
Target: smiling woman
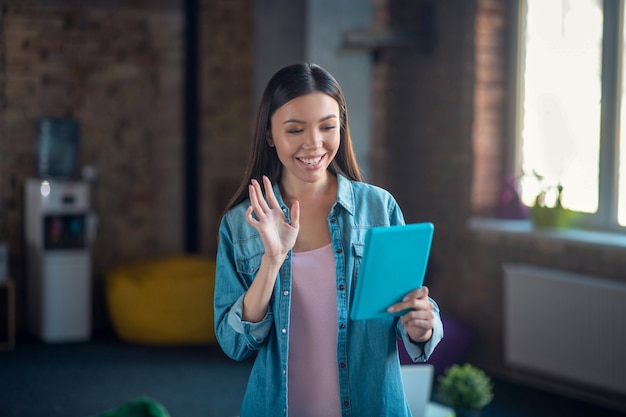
{"x": 285, "y": 86}
{"x": 305, "y": 134}
{"x": 288, "y": 256}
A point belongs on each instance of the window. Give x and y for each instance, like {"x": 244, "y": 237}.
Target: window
{"x": 569, "y": 108}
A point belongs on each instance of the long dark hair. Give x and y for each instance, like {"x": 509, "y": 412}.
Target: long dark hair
{"x": 287, "y": 84}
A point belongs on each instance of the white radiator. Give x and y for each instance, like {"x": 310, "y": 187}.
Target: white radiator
{"x": 566, "y": 325}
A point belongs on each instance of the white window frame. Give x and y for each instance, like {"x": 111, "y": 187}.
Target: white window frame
{"x": 606, "y": 217}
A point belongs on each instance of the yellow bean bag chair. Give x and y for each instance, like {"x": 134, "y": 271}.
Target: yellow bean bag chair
{"x": 163, "y": 302}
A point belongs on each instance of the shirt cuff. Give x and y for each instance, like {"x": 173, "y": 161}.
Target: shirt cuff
{"x": 421, "y": 351}
{"x": 254, "y": 332}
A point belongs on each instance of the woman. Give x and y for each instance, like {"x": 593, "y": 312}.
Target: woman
{"x": 289, "y": 249}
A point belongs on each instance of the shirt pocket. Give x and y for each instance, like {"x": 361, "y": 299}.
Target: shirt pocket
{"x": 247, "y": 261}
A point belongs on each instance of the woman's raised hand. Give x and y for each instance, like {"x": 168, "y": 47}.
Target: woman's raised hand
{"x": 266, "y": 216}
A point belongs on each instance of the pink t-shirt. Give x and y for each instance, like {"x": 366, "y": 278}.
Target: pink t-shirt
{"x": 313, "y": 389}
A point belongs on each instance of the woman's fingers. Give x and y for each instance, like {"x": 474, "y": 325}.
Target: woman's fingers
{"x": 260, "y": 197}
{"x": 257, "y": 201}
{"x": 419, "y": 318}
{"x": 249, "y": 217}
{"x": 413, "y": 301}
{"x": 254, "y": 200}
{"x": 269, "y": 192}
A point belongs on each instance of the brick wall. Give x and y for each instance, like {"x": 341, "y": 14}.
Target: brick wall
{"x": 422, "y": 142}
{"x": 118, "y": 72}
{"x": 227, "y": 108}
{"x": 490, "y": 98}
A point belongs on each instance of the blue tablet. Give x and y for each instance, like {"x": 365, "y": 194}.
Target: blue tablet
{"x": 393, "y": 264}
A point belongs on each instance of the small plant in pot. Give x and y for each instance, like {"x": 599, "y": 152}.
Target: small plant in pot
{"x": 465, "y": 388}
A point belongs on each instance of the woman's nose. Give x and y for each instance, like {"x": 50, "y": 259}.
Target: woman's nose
{"x": 313, "y": 140}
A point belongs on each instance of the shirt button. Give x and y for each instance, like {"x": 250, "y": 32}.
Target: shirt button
{"x": 342, "y": 326}
{"x": 285, "y": 292}
{"x": 342, "y": 287}
{"x": 333, "y": 221}
{"x": 339, "y": 250}
{"x": 346, "y": 403}
{"x": 284, "y": 331}
{"x": 342, "y": 365}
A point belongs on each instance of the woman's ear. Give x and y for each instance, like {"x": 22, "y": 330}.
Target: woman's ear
{"x": 268, "y": 138}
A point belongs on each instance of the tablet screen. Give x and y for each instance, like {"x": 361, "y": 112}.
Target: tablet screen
{"x": 394, "y": 263}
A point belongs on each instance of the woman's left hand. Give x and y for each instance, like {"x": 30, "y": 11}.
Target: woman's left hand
{"x": 419, "y": 320}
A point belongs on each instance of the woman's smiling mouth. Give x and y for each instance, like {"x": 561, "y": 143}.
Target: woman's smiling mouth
{"x": 311, "y": 161}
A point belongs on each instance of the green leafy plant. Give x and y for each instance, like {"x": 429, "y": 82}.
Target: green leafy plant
{"x": 548, "y": 210}
{"x": 540, "y": 199}
{"x": 465, "y": 387}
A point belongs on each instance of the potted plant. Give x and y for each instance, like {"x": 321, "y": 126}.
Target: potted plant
{"x": 465, "y": 388}
{"x": 548, "y": 210}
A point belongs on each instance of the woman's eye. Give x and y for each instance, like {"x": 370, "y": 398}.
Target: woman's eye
{"x": 330, "y": 127}
{"x": 294, "y": 131}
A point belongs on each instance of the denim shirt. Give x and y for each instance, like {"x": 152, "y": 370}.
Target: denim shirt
{"x": 367, "y": 357}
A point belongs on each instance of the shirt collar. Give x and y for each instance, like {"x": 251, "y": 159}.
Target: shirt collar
{"x": 345, "y": 194}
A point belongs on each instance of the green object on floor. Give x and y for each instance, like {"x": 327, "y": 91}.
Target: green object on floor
{"x": 141, "y": 407}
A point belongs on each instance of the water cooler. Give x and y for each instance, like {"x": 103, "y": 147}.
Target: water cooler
{"x": 58, "y": 234}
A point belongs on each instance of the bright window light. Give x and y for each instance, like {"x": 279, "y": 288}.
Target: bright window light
{"x": 561, "y": 92}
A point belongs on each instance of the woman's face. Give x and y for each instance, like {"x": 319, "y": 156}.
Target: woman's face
{"x": 306, "y": 135}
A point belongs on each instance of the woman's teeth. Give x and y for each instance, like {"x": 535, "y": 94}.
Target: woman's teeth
{"x": 311, "y": 161}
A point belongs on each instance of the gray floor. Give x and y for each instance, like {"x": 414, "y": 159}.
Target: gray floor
{"x": 86, "y": 379}
{"x": 81, "y": 380}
